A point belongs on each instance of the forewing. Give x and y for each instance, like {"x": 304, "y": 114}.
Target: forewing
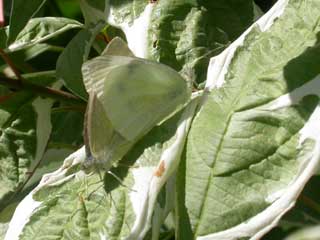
{"x": 140, "y": 93}
{"x": 96, "y": 70}
{"x": 117, "y": 47}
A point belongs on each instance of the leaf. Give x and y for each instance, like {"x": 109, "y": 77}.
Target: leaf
{"x": 207, "y": 27}
{"x": 67, "y": 126}
{"x": 168, "y": 164}
{"x": 19, "y": 19}
{"x": 105, "y": 207}
{"x": 74, "y": 55}
{"x": 25, "y": 128}
{"x": 5, "y": 216}
{"x": 126, "y": 12}
{"x": 310, "y": 233}
{"x": 186, "y": 34}
{"x": 94, "y": 11}
{"x": 3, "y": 37}
{"x": 255, "y": 142}
{"x": 79, "y": 201}
{"x": 69, "y": 9}
{"x": 65, "y": 138}
{"x": 38, "y": 30}
{"x": 50, "y": 161}
{"x": 21, "y": 57}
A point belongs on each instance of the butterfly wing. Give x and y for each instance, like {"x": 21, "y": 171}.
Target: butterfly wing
{"x": 117, "y": 47}
{"x": 128, "y": 96}
{"x": 140, "y": 93}
{"x": 135, "y": 93}
{"x": 95, "y": 71}
{"x": 102, "y": 142}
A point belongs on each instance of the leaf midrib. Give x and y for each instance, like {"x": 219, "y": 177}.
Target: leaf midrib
{"x": 211, "y": 174}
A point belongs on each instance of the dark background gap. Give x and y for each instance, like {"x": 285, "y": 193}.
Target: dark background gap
{"x": 265, "y": 5}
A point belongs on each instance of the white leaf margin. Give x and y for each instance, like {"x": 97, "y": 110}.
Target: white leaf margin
{"x": 146, "y": 184}
{"x": 42, "y": 108}
{"x": 256, "y": 226}
{"x": 168, "y": 164}
{"x": 137, "y": 32}
{"x": 308, "y": 233}
{"x": 283, "y": 201}
{"x": 218, "y": 65}
{"x": 26, "y": 207}
{"x": 21, "y": 44}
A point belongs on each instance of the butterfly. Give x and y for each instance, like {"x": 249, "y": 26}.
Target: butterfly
{"x": 128, "y": 96}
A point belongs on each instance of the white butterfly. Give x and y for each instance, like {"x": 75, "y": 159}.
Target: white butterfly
{"x": 128, "y": 96}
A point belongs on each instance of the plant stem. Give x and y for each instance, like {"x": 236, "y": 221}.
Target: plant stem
{"x": 40, "y": 90}
{"x": 75, "y": 108}
{"x": 10, "y": 63}
{"x": 1, "y": 14}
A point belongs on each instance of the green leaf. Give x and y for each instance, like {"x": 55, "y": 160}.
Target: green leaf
{"x": 39, "y": 30}
{"x": 3, "y": 37}
{"x": 94, "y": 11}
{"x": 69, "y": 9}
{"x": 76, "y": 203}
{"x": 5, "y": 217}
{"x": 25, "y": 128}
{"x": 164, "y": 173}
{"x": 74, "y": 55}
{"x": 67, "y": 127}
{"x": 126, "y": 12}
{"x": 310, "y": 233}
{"x": 205, "y": 29}
{"x": 57, "y": 150}
{"x": 79, "y": 208}
{"x": 182, "y": 34}
{"x": 19, "y": 18}
{"x": 258, "y": 128}
{"x": 21, "y": 57}
{"x": 65, "y": 138}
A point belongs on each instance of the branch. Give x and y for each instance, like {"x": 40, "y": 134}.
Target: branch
{"x": 10, "y": 63}
{"x": 2, "y": 23}
{"x": 40, "y": 90}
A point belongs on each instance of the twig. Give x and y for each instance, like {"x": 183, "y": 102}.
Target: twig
{"x": 2, "y": 22}
{"x": 40, "y": 90}
{"x": 10, "y": 63}
{"x": 75, "y": 108}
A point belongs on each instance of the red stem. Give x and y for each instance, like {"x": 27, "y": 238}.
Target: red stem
{"x": 1, "y": 14}
{"x": 10, "y": 63}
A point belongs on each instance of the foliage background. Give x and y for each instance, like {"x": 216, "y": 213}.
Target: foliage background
{"x": 306, "y": 213}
